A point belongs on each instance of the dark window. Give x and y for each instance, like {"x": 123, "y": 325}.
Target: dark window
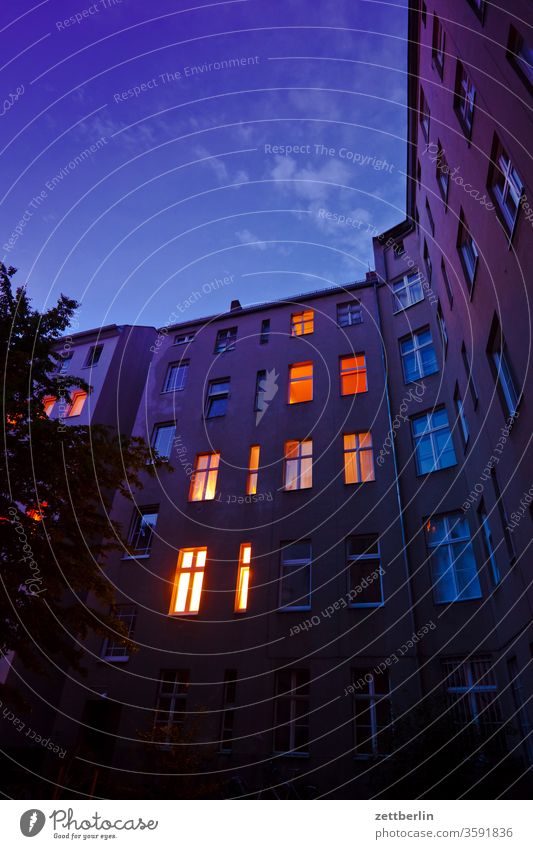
{"x": 349, "y": 313}
{"x": 520, "y": 55}
{"x": 424, "y": 114}
{"x": 184, "y": 338}
{"x": 472, "y": 694}
{"x": 502, "y": 370}
{"x": 430, "y": 218}
{"x": 446, "y": 281}
{"x": 265, "y": 331}
{"x": 469, "y": 375}
{"x": 424, "y": 13}
{"x": 418, "y": 355}
{"x": 176, "y": 376}
{"x": 505, "y": 186}
{"x": 479, "y": 8}
{"x": 427, "y": 261}
{"x": 228, "y": 710}
{"x": 142, "y": 530}
{"x": 442, "y": 329}
{"x": 372, "y": 713}
{"x": 468, "y": 252}
{"x": 162, "y": 439}
{"x": 504, "y": 519}
{"x": 116, "y": 648}
{"x": 291, "y": 711}
{"x": 407, "y": 291}
{"x": 488, "y": 545}
{"x": 364, "y": 571}
{"x": 461, "y": 415}
{"x": 438, "y": 45}
{"x": 171, "y": 702}
{"x": 442, "y": 172}
{"x": 433, "y": 441}
{"x": 295, "y": 583}
{"x": 464, "y": 99}
{"x": 217, "y": 398}
{"x": 93, "y": 356}
{"x": 226, "y": 340}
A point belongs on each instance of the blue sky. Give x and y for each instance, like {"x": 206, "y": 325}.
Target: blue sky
{"x": 149, "y": 149}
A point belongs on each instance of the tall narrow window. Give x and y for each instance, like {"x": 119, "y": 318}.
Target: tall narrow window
{"x": 430, "y": 218}
{"x": 265, "y": 331}
{"x": 505, "y": 186}
{"x": 300, "y": 383}
{"x": 521, "y": 708}
{"x": 433, "y": 441}
{"x": 472, "y": 693}
{"x": 204, "y": 478}
{"x": 229, "y": 697}
{"x": 468, "y": 252}
{"x": 520, "y": 55}
{"x": 501, "y": 369}
{"x": 48, "y": 404}
{"x": 446, "y": 281}
{"x": 226, "y": 340}
{"x": 116, "y": 648}
{"x": 461, "y": 415}
{"x": 488, "y": 545}
{"x": 216, "y": 403}
{"x": 358, "y": 457}
{"x": 253, "y": 470}
{"x": 424, "y": 114}
{"x": 418, "y": 355}
{"x": 176, "y": 376}
{"x": 407, "y": 291}
{"x": 453, "y": 564}
{"x": 77, "y": 403}
{"x": 295, "y": 579}
{"x": 427, "y": 261}
{"x": 162, "y": 439}
{"x": 243, "y": 578}
{"x": 298, "y": 464}
{"x": 93, "y": 356}
{"x": 142, "y": 531}
{"x": 504, "y": 518}
{"x": 302, "y": 323}
{"x": 442, "y": 329}
{"x": 442, "y": 173}
{"x": 438, "y": 46}
{"x": 464, "y": 98}
{"x": 171, "y": 702}
{"x": 364, "y": 571}
{"x": 372, "y": 709}
{"x": 353, "y": 374}
{"x": 189, "y": 580}
{"x": 469, "y": 374}
{"x": 349, "y": 313}
{"x": 291, "y": 711}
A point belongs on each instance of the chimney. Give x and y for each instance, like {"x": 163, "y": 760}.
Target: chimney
{"x": 235, "y": 305}
{"x": 371, "y": 276}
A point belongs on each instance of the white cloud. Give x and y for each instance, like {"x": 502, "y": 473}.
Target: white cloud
{"x": 246, "y": 237}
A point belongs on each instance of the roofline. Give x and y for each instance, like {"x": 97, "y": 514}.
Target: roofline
{"x": 99, "y": 332}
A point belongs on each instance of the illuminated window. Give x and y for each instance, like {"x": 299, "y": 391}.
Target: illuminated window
{"x": 48, "y": 404}
{"x": 253, "y": 470}
{"x": 358, "y": 458}
{"x": 300, "y": 383}
{"x": 229, "y": 698}
{"x": 349, "y": 313}
{"x": 302, "y": 323}
{"x": 505, "y": 186}
{"x": 93, "y": 357}
{"x": 77, "y": 402}
{"x": 291, "y": 711}
{"x": 438, "y": 47}
{"x": 188, "y": 581}
{"x": 433, "y": 441}
{"x": 472, "y": 693}
{"x": 364, "y": 570}
{"x": 468, "y": 252}
{"x": 407, "y": 291}
{"x": 162, "y": 439}
{"x": 453, "y": 564}
{"x": 171, "y": 703}
{"x": 418, "y": 355}
{"x": 298, "y": 464}
{"x": 353, "y": 374}
{"x": 116, "y": 648}
{"x": 295, "y": 578}
{"x": 226, "y": 340}
{"x": 372, "y": 709}
{"x": 464, "y": 99}
{"x": 217, "y": 398}
{"x": 243, "y": 578}
{"x": 204, "y": 477}
{"x": 424, "y": 114}
{"x": 176, "y": 376}
{"x": 142, "y": 531}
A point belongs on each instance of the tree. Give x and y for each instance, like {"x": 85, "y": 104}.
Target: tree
{"x": 56, "y": 484}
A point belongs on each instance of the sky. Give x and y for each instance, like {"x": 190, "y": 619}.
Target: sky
{"x": 247, "y": 149}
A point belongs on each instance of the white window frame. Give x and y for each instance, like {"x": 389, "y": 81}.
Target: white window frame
{"x": 407, "y": 285}
{"x": 304, "y": 452}
{"x": 449, "y": 546}
{"x": 471, "y": 688}
{"x": 182, "y": 370}
{"x": 465, "y": 98}
{"x": 488, "y": 544}
{"x": 294, "y": 696}
{"x": 226, "y": 340}
{"x": 367, "y": 557}
{"x": 214, "y": 394}
{"x": 417, "y": 347}
{"x": 429, "y": 434}
{"x": 184, "y": 338}
{"x": 302, "y": 562}
{"x": 512, "y": 186}
{"x": 370, "y": 698}
{"x": 136, "y": 527}
{"x": 349, "y": 313}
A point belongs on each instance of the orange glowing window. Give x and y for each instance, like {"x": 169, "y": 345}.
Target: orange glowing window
{"x": 48, "y": 404}
{"x": 77, "y": 402}
{"x": 204, "y": 478}
{"x": 358, "y": 458}
{"x": 298, "y": 464}
{"x": 243, "y": 578}
{"x": 300, "y": 383}
{"x": 353, "y": 374}
{"x": 302, "y": 323}
{"x": 36, "y": 514}
{"x": 253, "y": 466}
{"x": 189, "y": 580}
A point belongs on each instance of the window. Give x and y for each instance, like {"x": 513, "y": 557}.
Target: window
{"x": 472, "y": 691}
{"x": 504, "y": 518}
{"x": 438, "y": 46}
{"x": 424, "y": 114}
{"x": 488, "y": 545}
{"x": 479, "y": 8}
{"x": 433, "y": 441}
{"x": 460, "y": 410}
{"x": 446, "y": 281}
{"x": 302, "y": 323}
{"x": 48, "y": 404}
{"x": 93, "y": 357}
{"x": 407, "y": 291}
{"x": 142, "y": 531}
{"x": 226, "y": 340}
{"x": 521, "y": 708}
{"x": 353, "y": 374}
{"x": 265, "y": 331}
{"x": 77, "y": 403}
{"x": 520, "y": 55}
{"x": 349, "y": 313}
{"x": 358, "y": 458}
{"x": 116, "y": 648}
{"x": 243, "y": 578}
{"x": 464, "y": 98}
{"x": 204, "y": 478}
{"x": 418, "y": 355}
{"x": 217, "y": 398}
{"x": 184, "y": 338}
{"x": 298, "y": 464}
{"x": 430, "y": 218}
{"x": 427, "y": 261}
{"x": 171, "y": 702}
{"x": 505, "y": 186}
{"x": 300, "y": 383}
{"x": 469, "y": 375}
{"x": 253, "y": 470}
{"x": 162, "y": 439}
{"x": 176, "y": 376}
{"x": 468, "y": 252}
{"x": 453, "y": 565}
{"x": 188, "y": 581}
{"x": 295, "y": 579}
{"x": 372, "y": 713}
{"x": 442, "y": 173}
{"x": 228, "y": 710}
{"x": 291, "y": 711}
{"x": 442, "y": 328}
{"x": 364, "y": 571}
{"x": 501, "y": 369}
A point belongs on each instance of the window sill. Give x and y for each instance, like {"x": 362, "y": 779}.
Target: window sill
{"x": 458, "y": 600}
{"x": 408, "y": 307}
{"x": 293, "y": 609}
{"x": 135, "y": 556}
{"x": 290, "y": 754}
{"x": 114, "y": 659}
{"x": 368, "y": 605}
{"x": 170, "y": 391}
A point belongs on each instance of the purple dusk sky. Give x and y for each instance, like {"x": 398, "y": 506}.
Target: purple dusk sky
{"x": 151, "y": 148}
